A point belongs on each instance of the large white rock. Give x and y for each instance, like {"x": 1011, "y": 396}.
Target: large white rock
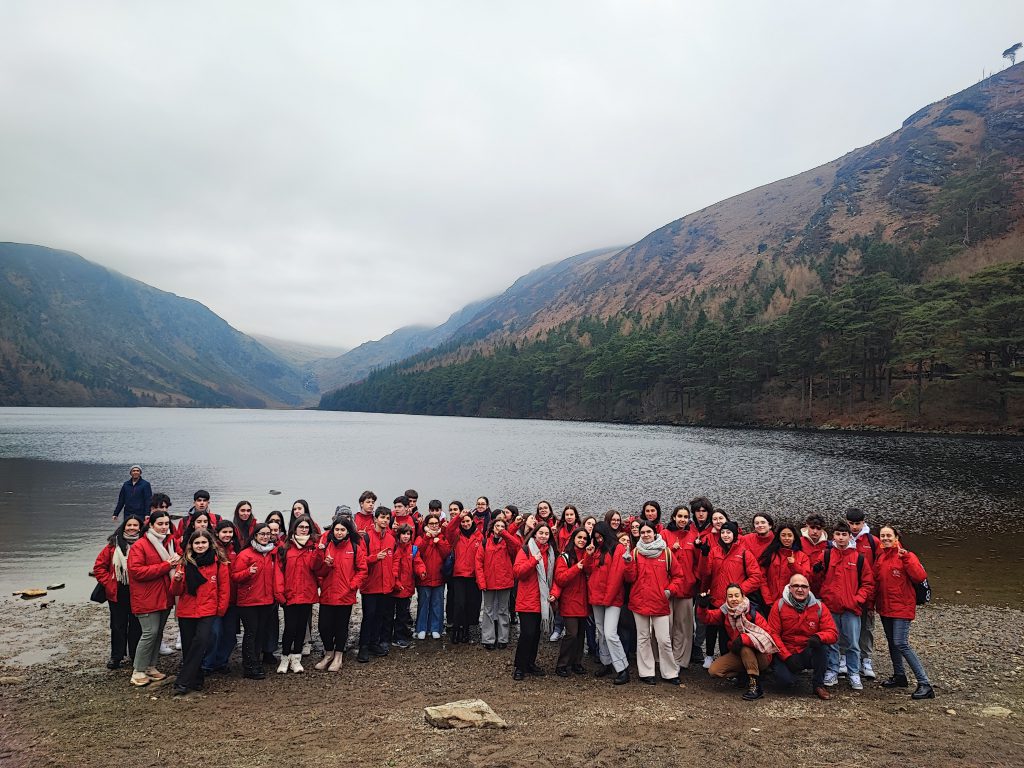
{"x": 468, "y": 713}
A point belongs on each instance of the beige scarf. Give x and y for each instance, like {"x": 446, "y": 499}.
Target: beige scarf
{"x": 737, "y": 618}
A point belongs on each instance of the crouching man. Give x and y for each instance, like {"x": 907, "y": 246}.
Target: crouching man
{"x": 806, "y": 629}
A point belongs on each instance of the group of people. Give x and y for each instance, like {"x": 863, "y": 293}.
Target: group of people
{"x": 694, "y": 589}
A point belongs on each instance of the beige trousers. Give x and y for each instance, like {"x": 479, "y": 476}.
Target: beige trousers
{"x": 661, "y": 629}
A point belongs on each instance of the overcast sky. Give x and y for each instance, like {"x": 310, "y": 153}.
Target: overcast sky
{"x": 330, "y": 171}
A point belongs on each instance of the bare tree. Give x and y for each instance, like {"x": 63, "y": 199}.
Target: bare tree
{"x": 1011, "y": 53}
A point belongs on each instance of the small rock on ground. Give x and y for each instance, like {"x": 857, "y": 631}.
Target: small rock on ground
{"x": 468, "y": 713}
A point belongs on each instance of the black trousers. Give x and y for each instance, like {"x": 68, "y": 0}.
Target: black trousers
{"x": 333, "y": 626}
{"x": 402, "y": 623}
{"x": 810, "y": 658}
{"x": 529, "y": 640}
{"x": 296, "y": 619}
{"x": 378, "y": 620}
{"x": 196, "y": 635}
{"x": 463, "y": 601}
{"x": 125, "y": 630}
{"x": 716, "y": 632}
{"x": 272, "y": 631}
{"x": 571, "y": 649}
{"x": 255, "y": 624}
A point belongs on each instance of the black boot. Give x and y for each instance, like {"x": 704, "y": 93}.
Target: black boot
{"x": 604, "y": 670}
{"x": 623, "y": 677}
{"x": 896, "y": 681}
{"x": 924, "y": 691}
{"x": 364, "y": 654}
{"x": 754, "y": 691}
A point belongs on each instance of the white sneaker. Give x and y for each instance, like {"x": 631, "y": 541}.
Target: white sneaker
{"x": 555, "y": 636}
{"x": 436, "y": 635}
{"x": 867, "y": 670}
{"x": 855, "y": 683}
{"x": 165, "y": 649}
{"x": 842, "y": 665}
{"x": 177, "y": 642}
{"x": 307, "y": 648}
{"x": 283, "y": 666}
{"x": 421, "y": 635}
{"x": 295, "y": 662}
{"x": 708, "y": 661}
{"x": 831, "y": 678}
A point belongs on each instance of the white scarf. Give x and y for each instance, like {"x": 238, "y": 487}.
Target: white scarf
{"x": 545, "y": 578}
{"x": 166, "y": 553}
{"x": 120, "y": 561}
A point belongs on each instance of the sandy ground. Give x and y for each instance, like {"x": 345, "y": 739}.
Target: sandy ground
{"x": 59, "y": 706}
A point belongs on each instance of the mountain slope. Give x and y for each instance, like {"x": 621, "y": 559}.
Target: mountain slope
{"x": 75, "y": 333}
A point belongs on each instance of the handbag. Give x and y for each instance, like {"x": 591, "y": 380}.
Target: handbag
{"x": 99, "y": 594}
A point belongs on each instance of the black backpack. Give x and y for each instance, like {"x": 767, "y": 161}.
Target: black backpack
{"x": 922, "y": 592}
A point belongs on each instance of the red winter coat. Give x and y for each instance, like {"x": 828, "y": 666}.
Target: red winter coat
{"x": 756, "y": 544}
{"x": 103, "y": 570}
{"x": 432, "y": 552}
{"x": 780, "y": 571}
{"x": 380, "y": 577}
{"x": 363, "y": 522}
{"x": 296, "y": 578}
{"x": 465, "y": 548}
{"x": 868, "y": 545}
{"x": 405, "y": 578}
{"x": 244, "y": 530}
{"x": 149, "y": 576}
{"x": 719, "y": 569}
{"x": 179, "y": 529}
{"x": 494, "y": 562}
{"x": 340, "y": 580}
{"x": 792, "y": 629}
{"x": 562, "y": 536}
{"x": 211, "y": 599}
{"x": 607, "y": 583}
{"x": 571, "y": 585}
{"x": 814, "y": 551}
{"x": 260, "y": 588}
{"x": 650, "y": 577}
{"x": 841, "y": 589}
{"x": 525, "y": 571}
{"x": 895, "y": 575}
{"x": 716, "y": 616}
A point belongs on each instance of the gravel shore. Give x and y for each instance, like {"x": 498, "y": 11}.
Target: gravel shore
{"x": 59, "y": 706}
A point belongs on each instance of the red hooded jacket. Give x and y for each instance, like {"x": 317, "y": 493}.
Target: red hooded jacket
{"x": 258, "y": 588}
{"x": 494, "y": 562}
{"x": 792, "y": 629}
{"x": 650, "y": 577}
{"x": 404, "y": 565}
{"x": 845, "y": 587}
{"x": 297, "y": 581}
{"x": 720, "y": 569}
{"x": 341, "y": 580}
{"x": 716, "y": 616}
{"x": 103, "y": 570}
{"x": 432, "y": 551}
{"x": 464, "y": 547}
{"x": 149, "y": 577}
{"x": 607, "y": 583}
{"x": 757, "y": 544}
{"x": 211, "y": 599}
{"x": 380, "y": 577}
{"x": 895, "y": 575}
{"x": 525, "y": 570}
{"x": 571, "y": 584}
{"x": 780, "y": 570}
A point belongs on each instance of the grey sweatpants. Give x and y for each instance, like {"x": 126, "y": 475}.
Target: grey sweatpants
{"x": 148, "y": 650}
{"x": 494, "y": 608}
{"x": 610, "y": 650}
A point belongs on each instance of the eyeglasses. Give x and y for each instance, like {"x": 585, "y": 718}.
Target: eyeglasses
{"x": 798, "y": 586}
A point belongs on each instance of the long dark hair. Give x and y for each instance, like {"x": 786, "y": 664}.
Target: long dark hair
{"x": 153, "y": 517}
{"x": 657, "y": 508}
{"x": 695, "y": 504}
{"x": 769, "y": 551}
{"x": 350, "y": 526}
{"x": 672, "y": 525}
{"x": 116, "y": 539}
{"x": 236, "y": 543}
{"x": 530, "y": 536}
{"x": 190, "y": 528}
{"x": 239, "y": 522}
{"x": 569, "y": 554}
{"x": 609, "y": 539}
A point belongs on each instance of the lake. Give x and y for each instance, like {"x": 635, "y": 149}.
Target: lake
{"x": 958, "y": 499}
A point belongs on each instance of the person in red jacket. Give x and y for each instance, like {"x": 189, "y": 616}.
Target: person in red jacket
{"x": 464, "y": 537}
{"x": 726, "y": 563}
{"x": 111, "y": 570}
{"x": 656, "y": 577}
{"x": 651, "y": 512}
{"x": 606, "y": 590}
{"x": 896, "y": 571}
{"x": 534, "y": 569}
{"x": 570, "y": 590}
{"x": 341, "y": 568}
{"x": 803, "y": 629}
{"x": 780, "y": 561}
{"x": 225, "y": 628}
{"x": 254, "y": 574}
{"x": 814, "y": 542}
{"x": 202, "y": 581}
{"x": 701, "y": 510}
{"x": 297, "y": 583}
{"x": 568, "y": 523}
{"x": 761, "y": 537}
{"x": 751, "y": 642}
{"x": 364, "y": 517}
{"x": 375, "y": 630}
{"x": 244, "y": 521}
{"x": 407, "y": 564}
{"x": 150, "y": 562}
{"x": 199, "y": 521}
{"x": 867, "y": 545}
{"x": 847, "y": 586}
{"x": 200, "y": 506}
{"x": 679, "y": 534}
{"x": 494, "y": 559}
{"x": 432, "y": 548}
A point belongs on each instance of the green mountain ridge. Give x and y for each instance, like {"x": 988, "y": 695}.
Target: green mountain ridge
{"x": 75, "y": 333}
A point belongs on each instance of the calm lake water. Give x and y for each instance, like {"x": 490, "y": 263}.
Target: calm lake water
{"x": 958, "y": 499}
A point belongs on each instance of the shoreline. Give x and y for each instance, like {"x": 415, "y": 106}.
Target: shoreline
{"x": 61, "y": 707}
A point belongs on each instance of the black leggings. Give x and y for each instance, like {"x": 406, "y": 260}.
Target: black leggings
{"x": 333, "y": 626}
{"x": 125, "y": 630}
{"x": 255, "y": 623}
{"x": 296, "y": 619}
{"x": 716, "y": 632}
{"x": 529, "y": 640}
{"x": 463, "y": 601}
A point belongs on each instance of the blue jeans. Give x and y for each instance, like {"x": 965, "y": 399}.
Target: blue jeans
{"x": 897, "y": 635}
{"x": 430, "y": 609}
{"x": 848, "y": 624}
{"x": 222, "y": 640}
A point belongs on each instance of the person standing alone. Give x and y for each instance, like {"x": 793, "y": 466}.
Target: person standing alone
{"x": 135, "y": 496}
